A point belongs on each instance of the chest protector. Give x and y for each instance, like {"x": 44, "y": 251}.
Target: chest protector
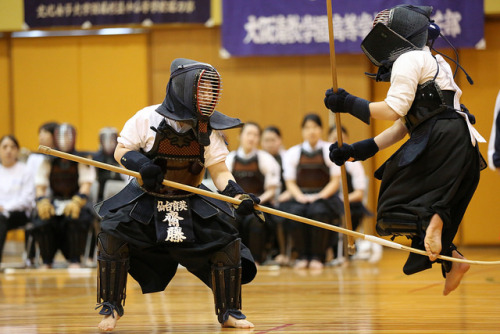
{"x": 63, "y": 178}
{"x": 429, "y": 101}
{"x": 312, "y": 172}
{"x": 247, "y": 174}
{"x": 180, "y": 156}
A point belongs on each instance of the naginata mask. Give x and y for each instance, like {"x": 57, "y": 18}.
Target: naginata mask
{"x": 396, "y": 31}
{"x": 108, "y": 137}
{"x": 193, "y": 91}
{"x": 65, "y": 137}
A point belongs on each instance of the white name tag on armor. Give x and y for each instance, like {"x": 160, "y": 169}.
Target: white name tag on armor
{"x": 173, "y": 221}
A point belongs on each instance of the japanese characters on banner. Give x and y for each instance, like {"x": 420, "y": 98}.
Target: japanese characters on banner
{"x": 299, "y": 27}
{"x": 53, "y": 13}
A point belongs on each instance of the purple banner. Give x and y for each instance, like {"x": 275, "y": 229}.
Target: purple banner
{"x": 53, "y": 13}
{"x": 300, "y": 27}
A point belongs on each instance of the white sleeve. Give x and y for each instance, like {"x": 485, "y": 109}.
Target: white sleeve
{"x": 270, "y": 168}
{"x": 230, "y": 160}
{"x": 357, "y": 174}
{"x": 217, "y": 150}
{"x": 42, "y": 175}
{"x": 405, "y": 76}
{"x": 334, "y": 169}
{"x": 290, "y": 162}
{"x": 135, "y": 132}
{"x": 494, "y": 144}
{"x": 86, "y": 174}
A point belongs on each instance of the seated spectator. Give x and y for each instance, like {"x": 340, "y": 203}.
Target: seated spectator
{"x": 63, "y": 218}
{"x": 357, "y": 186}
{"x": 271, "y": 142}
{"x": 108, "y": 137}
{"x": 313, "y": 182}
{"x": 257, "y": 172}
{"x": 17, "y": 192}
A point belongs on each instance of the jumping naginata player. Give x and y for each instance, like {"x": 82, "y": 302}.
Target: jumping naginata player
{"x": 428, "y": 183}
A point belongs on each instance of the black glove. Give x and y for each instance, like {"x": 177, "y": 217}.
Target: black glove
{"x": 361, "y": 150}
{"x": 152, "y": 177}
{"x": 151, "y": 174}
{"x": 343, "y": 102}
{"x": 246, "y": 207}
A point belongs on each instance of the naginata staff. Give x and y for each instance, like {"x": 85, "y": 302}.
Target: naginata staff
{"x": 428, "y": 183}
{"x": 149, "y": 229}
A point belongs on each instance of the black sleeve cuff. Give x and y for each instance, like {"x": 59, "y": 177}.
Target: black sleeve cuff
{"x": 358, "y": 107}
{"x": 134, "y": 160}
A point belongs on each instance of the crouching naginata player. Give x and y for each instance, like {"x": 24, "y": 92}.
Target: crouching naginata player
{"x": 149, "y": 229}
{"x": 428, "y": 183}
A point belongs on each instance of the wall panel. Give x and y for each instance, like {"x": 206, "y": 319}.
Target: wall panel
{"x": 482, "y": 221}
{"x": 114, "y": 82}
{"x": 46, "y": 84}
{"x": 5, "y": 89}
{"x": 90, "y": 82}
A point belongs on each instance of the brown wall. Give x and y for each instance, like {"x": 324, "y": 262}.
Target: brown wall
{"x": 90, "y": 82}
{"x": 5, "y": 113}
{"x": 97, "y": 81}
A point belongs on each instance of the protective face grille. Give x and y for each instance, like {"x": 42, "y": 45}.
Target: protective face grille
{"x": 64, "y": 137}
{"x": 208, "y": 92}
{"x": 382, "y": 17}
{"x": 108, "y": 137}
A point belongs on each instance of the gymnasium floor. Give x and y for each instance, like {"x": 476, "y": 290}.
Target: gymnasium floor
{"x": 357, "y": 298}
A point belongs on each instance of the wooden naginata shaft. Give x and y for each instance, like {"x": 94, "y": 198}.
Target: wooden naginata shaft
{"x": 202, "y": 192}
{"x": 351, "y": 249}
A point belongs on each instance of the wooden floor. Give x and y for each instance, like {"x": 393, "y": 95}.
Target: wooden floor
{"x": 359, "y": 298}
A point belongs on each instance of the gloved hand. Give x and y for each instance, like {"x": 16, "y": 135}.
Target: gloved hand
{"x": 44, "y": 208}
{"x": 361, "y": 150}
{"x": 151, "y": 174}
{"x": 73, "y": 208}
{"x": 343, "y": 102}
{"x": 246, "y": 207}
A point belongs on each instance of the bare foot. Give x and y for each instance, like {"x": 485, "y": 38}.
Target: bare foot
{"x": 108, "y": 323}
{"x": 432, "y": 239}
{"x": 301, "y": 264}
{"x": 315, "y": 265}
{"x": 455, "y": 275}
{"x": 237, "y": 323}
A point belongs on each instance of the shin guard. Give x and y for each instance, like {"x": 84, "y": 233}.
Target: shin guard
{"x": 226, "y": 282}
{"x": 112, "y": 270}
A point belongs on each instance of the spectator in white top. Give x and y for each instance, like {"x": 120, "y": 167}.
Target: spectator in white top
{"x": 17, "y": 193}
{"x": 313, "y": 182}
{"x": 257, "y": 172}
{"x": 494, "y": 144}
{"x": 272, "y": 143}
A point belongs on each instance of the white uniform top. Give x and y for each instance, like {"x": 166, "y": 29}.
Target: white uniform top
{"x": 493, "y": 137}
{"x": 417, "y": 67}
{"x": 137, "y": 134}
{"x": 268, "y": 166}
{"x": 17, "y": 192}
{"x": 292, "y": 157}
{"x": 358, "y": 177}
